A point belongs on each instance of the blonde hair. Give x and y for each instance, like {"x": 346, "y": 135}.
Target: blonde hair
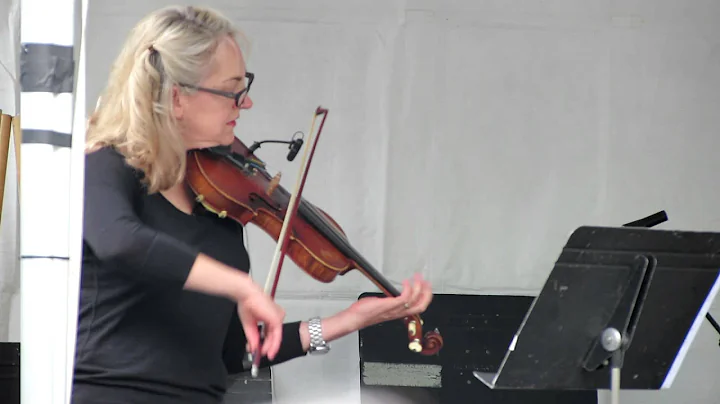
{"x": 170, "y": 46}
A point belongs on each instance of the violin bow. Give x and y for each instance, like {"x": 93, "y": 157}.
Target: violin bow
{"x": 283, "y": 239}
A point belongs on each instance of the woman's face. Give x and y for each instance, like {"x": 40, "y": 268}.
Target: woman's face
{"x": 207, "y": 119}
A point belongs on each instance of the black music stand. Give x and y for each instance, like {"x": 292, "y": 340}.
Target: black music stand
{"x": 617, "y": 298}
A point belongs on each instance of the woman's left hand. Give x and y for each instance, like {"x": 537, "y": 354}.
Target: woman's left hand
{"x": 414, "y": 299}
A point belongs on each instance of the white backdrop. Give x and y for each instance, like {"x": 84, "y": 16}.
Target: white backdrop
{"x": 467, "y": 139}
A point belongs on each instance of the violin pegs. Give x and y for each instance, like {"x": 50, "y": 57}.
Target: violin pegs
{"x": 415, "y": 346}
{"x": 412, "y": 327}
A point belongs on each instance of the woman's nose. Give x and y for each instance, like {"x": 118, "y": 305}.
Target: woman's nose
{"x": 246, "y": 103}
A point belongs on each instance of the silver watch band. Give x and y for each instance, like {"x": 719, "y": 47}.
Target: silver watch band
{"x": 317, "y": 343}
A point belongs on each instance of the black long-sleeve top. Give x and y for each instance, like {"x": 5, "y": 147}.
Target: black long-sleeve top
{"x": 141, "y": 338}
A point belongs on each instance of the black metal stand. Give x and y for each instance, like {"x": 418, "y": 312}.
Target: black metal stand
{"x": 618, "y": 299}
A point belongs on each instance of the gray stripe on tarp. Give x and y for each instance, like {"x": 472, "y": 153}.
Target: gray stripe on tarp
{"x": 401, "y": 374}
{"x": 46, "y": 137}
{"x": 46, "y": 68}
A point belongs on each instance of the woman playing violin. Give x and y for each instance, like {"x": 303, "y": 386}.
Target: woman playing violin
{"x": 167, "y": 308}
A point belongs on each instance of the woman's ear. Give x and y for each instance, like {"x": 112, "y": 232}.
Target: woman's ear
{"x": 178, "y": 103}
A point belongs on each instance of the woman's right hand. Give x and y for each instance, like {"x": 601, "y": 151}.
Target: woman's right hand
{"x": 213, "y": 277}
{"x": 256, "y": 307}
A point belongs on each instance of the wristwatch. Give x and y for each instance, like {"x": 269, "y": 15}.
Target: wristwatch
{"x": 318, "y": 346}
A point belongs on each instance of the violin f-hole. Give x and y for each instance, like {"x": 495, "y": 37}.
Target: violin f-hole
{"x": 254, "y": 198}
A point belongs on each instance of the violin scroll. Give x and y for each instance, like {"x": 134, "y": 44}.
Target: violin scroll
{"x": 429, "y": 344}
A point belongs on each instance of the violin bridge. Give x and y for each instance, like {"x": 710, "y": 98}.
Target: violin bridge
{"x": 274, "y": 182}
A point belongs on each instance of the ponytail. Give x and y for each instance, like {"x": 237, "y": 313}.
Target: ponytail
{"x": 149, "y": 97}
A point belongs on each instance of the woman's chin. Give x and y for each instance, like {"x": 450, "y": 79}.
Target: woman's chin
{"x": 228, "y": 139}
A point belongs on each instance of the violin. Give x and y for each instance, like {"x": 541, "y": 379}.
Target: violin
{"x": 231, "y": 181}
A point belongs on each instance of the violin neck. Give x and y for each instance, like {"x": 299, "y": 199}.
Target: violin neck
{"x": 317, "y": 219}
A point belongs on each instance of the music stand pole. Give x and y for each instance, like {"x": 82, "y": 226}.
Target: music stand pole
{"x": 615, "y": 383}
{"x": 612, "y": 342}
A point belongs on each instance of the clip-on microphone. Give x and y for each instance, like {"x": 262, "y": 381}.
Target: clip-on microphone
{"x": 294, "y": 145}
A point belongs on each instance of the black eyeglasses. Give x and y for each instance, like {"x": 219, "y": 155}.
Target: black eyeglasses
{"x": 239, "y": 97}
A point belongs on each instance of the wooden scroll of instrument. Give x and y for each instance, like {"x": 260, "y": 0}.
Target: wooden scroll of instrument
{"x": 5, "y": 130}
{"x": 232, "y": 182}
{"x": 17, "y": 136}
